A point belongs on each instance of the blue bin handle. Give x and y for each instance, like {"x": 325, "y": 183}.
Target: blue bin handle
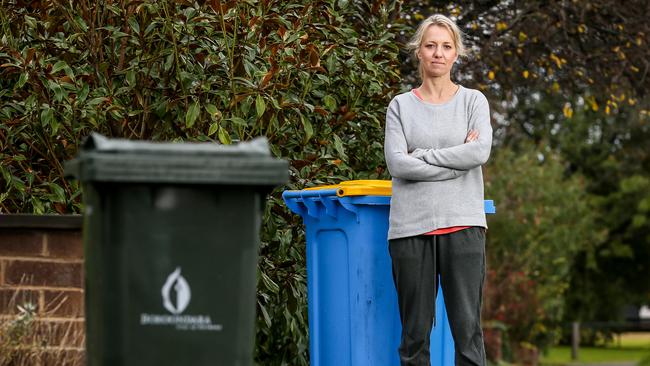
{"x": 490, "y": 208}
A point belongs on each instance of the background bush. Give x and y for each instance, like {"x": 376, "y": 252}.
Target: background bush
{"x": 544, "y": 220}
{"x": 314, "y": 77}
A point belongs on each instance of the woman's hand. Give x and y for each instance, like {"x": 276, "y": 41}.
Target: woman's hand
{"x": 472, "y": 135}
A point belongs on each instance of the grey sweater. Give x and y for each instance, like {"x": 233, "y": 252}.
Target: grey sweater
{"x": 437, "y": 178}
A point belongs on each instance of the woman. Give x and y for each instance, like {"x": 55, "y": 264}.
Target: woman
{"x": 437, "y": 138}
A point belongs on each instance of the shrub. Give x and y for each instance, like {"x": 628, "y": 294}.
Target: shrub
{"x": 314, "y": 77}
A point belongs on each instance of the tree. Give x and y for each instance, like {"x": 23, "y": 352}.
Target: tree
{"x": 543, "y": 221}
{"x": 594, "y": 49}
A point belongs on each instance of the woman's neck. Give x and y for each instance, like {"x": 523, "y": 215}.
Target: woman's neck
{"x": 437, "y": 90}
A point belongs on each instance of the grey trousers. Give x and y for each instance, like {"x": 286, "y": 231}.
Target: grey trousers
{"x": 459, "y": 259}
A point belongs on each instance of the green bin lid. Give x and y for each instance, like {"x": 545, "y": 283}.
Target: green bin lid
{"x": 101, "y": 159}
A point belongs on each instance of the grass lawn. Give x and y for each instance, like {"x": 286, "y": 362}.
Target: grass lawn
{"x": 633, "y": 347}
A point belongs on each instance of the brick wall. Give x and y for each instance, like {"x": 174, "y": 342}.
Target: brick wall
{"x": 41, "y": 263}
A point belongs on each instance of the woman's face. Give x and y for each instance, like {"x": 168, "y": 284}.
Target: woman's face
{"x": 437, "y": 52}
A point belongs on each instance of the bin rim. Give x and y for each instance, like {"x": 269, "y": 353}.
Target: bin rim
{"x": 101, "y": 159}
{"x": 354, "y": 189}
{"x": 360, "y": 187}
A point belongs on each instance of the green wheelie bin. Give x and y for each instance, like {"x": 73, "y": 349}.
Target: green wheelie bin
{"x": 171, "y": 246}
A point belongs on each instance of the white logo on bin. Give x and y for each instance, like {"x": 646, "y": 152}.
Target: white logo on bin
{"x": 178, "y": 286}
{"x": 176, "y": 296}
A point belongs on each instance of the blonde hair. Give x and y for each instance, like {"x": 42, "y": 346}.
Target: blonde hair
{"x": 439, "y": 20}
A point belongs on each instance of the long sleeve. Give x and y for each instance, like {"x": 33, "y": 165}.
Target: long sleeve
{"x": 468, "y": 155}
{"x": 400, "y": 163}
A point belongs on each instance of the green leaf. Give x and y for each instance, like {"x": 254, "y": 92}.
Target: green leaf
{"x": 59, "y": 193}
{"x": 265, "y": 315}
{"x": 161, "y": 108}
{"x": 338, "y": 145}
{"x": 22, "y": 80}
{"x": 330, "y": 102}
{"x": 38, "y": 206}
{"x": 275, "y": 103}
{"x": 47, "y": 115}
{"x": 130, "y": 77}
{"x": 192, "y": 114}
{"x": 3, "y": 196}
{"x": 96, "y": 101}
{"x": 6, "y": 176}
{"x": 213, "y": 111}
{"x": 269, "y": 284}
{"x": 213, "y": 128}
{"x": 150, "y": 27}
{"x": 276, "y": 151}
{"x": 306, "y": 125}
{"x": 59, "y": 94}
{"x": 134, "y": 25}
{"x": 224, "y": 137}
{"x": 83, "y": 93}
{"x": 119, "y": 34}
{"x": 18, "y": 184}
{"x": 81, "y": 23}
{"x": 260, "y": 106}
{"x": 59, "y": 66}
{"x": 69, "y": 73}
{"x": 30, "y": 21}
{"x": 331, "y": 64}
{"x": 239, "y": 121}
{"x": 169, "y": 62}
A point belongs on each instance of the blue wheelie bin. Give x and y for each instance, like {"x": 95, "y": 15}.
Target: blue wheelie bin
{"x": 352, "y": 301}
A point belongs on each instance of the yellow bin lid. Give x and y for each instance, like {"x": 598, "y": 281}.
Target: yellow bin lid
{"x": 359, "y": 188}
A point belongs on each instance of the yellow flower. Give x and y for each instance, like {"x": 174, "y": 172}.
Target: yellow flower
{"x": 501, "y": 26}
{"x": 556, "y": 87}
{"x": 582, "y": 28}
{"x": 567, "y": 110}
{"x": 525, "y": 74}
{"x": 491, "y": 75}
{"x": 557, "y": 60}
{"x": 522, "y": 37}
